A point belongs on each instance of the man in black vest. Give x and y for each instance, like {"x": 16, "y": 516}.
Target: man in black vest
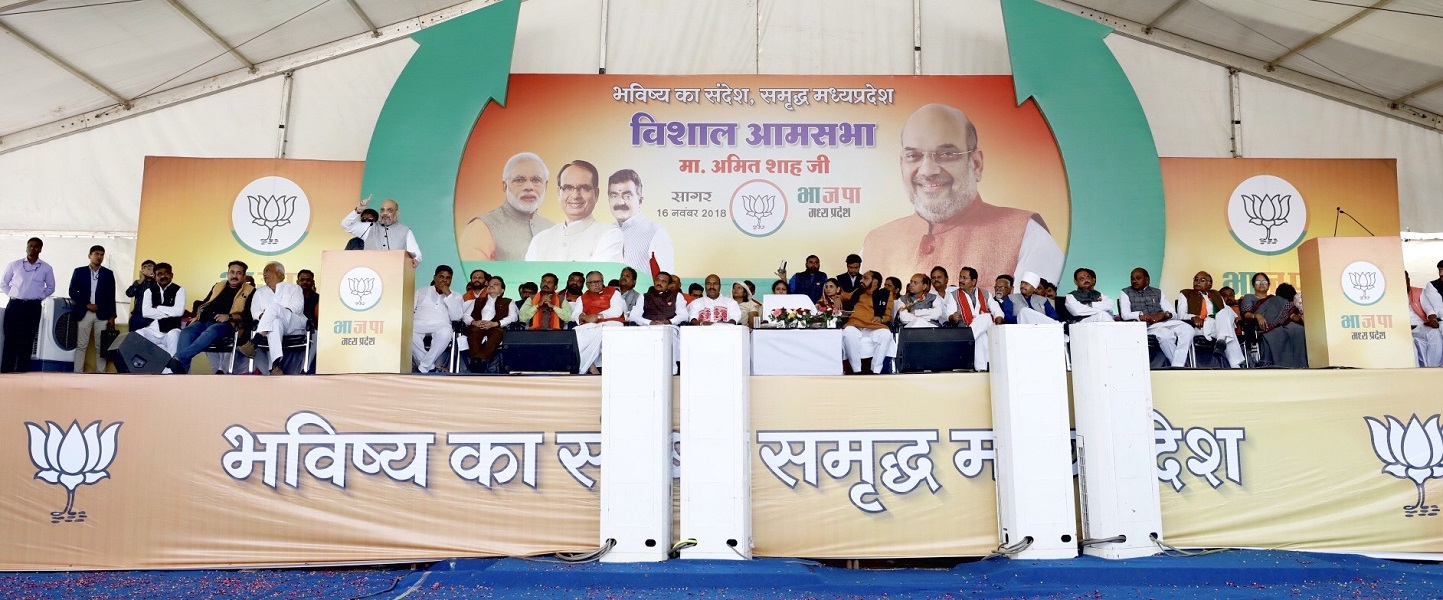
{"x": 92, "y": 297}
{"x": 162, "y": 303}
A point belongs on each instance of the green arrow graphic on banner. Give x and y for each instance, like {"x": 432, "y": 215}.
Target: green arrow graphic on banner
{"x": 416, "y": 147}
{"x": 1113, "y": 173}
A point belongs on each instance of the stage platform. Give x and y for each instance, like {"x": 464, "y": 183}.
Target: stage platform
{"x": 1233, "y": 574}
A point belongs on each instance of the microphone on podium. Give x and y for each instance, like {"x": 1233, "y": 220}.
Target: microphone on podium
{"x": 1342, "y": 213}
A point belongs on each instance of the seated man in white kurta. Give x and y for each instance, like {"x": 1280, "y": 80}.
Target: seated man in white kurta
{"x": 920, "y": 307}
{"x": 977, "y": 310}
{"x": 163, "y": 303}
{"x": 1424, "y": 306}
{"x": 1210, "y": 317}
{"x": 1142, "y": 302}
{"x": 1029, "y": 306}
{"x": 1085, "y": 304}
{"x": 436, "y": 307}
{"x": 598, "y": 306}
{"x": 712, "y": 307}
{"x": 279, "y": 310}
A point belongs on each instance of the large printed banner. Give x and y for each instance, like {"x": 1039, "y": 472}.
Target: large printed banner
{"x": 119, "y": 472}
{"x": 200, "y": 213}
{"x": 1234, "y": 217}
{"x": 735, "y": 174}
{"x": 128, "y": 472}
{"x": 1304, "y": 460}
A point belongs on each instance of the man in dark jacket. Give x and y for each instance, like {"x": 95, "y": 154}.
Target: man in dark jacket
{"x": 92, "y": 297}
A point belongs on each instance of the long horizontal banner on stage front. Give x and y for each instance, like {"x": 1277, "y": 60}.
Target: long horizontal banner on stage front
{"x": 138, "y": 472}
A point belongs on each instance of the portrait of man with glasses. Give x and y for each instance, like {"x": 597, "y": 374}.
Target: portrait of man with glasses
{"x": 579, "y": 237}
{"x": 941, "y": 165}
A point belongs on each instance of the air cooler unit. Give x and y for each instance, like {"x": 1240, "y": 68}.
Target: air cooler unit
{"x": 55, "y": 346}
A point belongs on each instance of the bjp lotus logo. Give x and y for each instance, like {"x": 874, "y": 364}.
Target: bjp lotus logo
{"x": 1413, "y": 452}
{"x": 1363, "y": 283}
{"x": 270, "y": 215}
{"x": 71, "y": 458}
{"x": 361, "y": 288}
{"x": 271, "y": 212}
{"x": 1267, "y": 215}
{"x": 758, "y": 208}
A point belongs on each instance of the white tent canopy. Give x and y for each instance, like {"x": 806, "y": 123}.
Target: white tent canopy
{"x": 71, "y": 152}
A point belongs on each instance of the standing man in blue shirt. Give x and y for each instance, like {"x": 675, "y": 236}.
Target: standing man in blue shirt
{"x": 27, "y": 282}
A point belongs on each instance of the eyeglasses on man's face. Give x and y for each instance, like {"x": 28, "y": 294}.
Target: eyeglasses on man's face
{"x": 941, "y": 157}
{"x": 583, "y": 188}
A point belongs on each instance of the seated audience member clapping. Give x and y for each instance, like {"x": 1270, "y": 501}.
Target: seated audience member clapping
{"x": 486, "y": 319}
{"x": 546, "y": 309}
{"x": 436, "y": 307}
{"x": 869, "y": 321}
{"x": 711, "y": 307}
{"x": 599, "y": 306}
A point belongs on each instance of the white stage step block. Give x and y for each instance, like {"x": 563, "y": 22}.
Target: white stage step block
{"x": 1033, "y": 441}
{"x": 716, "y": 476}
{"x": 1112, "y": 397}
{"x": 636, "y": 442}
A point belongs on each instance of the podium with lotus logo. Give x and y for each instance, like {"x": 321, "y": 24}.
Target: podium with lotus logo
{"x": 364, "y": 321}
{"x": 1356, "y": 308}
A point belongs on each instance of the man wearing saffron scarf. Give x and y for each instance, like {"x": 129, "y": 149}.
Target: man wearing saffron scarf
{"x": 547, "y": 309}
{"x": 978, "y": 311}
{"x": 1085, "y": 304}
{"x": 1206, "y": 310}
{"x": 600, "y": 306}
{"x": 1424, "y": 304}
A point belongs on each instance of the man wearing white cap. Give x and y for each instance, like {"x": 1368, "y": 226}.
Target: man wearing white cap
{"x": 1029, "y": 306}
{"x": 1142, "y": 302}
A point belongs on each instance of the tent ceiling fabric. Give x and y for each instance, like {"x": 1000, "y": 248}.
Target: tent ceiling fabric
{"x": 142, "y": 47}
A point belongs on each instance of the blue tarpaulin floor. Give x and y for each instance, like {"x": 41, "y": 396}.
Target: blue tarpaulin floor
{"x": 1233, "y": 574}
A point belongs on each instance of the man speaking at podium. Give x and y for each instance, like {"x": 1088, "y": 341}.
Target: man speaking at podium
{"x": 387, "y": 233}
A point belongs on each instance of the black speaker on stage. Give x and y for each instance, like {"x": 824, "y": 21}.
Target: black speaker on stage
{"x": 134, "y": 354}
{"x": 549, "y": 351}
{"x": 941, "y": 349}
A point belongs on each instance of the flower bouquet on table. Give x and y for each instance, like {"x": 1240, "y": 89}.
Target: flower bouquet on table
{"x": 790, "y": 318}
{"x": 825, "y": 319}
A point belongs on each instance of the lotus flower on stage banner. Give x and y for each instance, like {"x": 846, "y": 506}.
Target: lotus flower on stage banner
{"x": 1268, "y": 211}
{"x": 361, "y": 287}
{"x": 1413, "y": 452}
{"x": 758, "y": 207}
{"x": 271, "y": 212}
{"x": 71, "y": 458}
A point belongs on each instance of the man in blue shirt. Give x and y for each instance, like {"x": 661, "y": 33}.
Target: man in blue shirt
{"x": 28, "y": 282}
{"x": 807, "y": 282}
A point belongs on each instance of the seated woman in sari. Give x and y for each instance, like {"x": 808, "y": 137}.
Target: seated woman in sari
{"x": 1280, "y": 320}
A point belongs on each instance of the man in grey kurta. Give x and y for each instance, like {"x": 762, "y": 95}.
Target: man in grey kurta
{"x": 387, "y": 233}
